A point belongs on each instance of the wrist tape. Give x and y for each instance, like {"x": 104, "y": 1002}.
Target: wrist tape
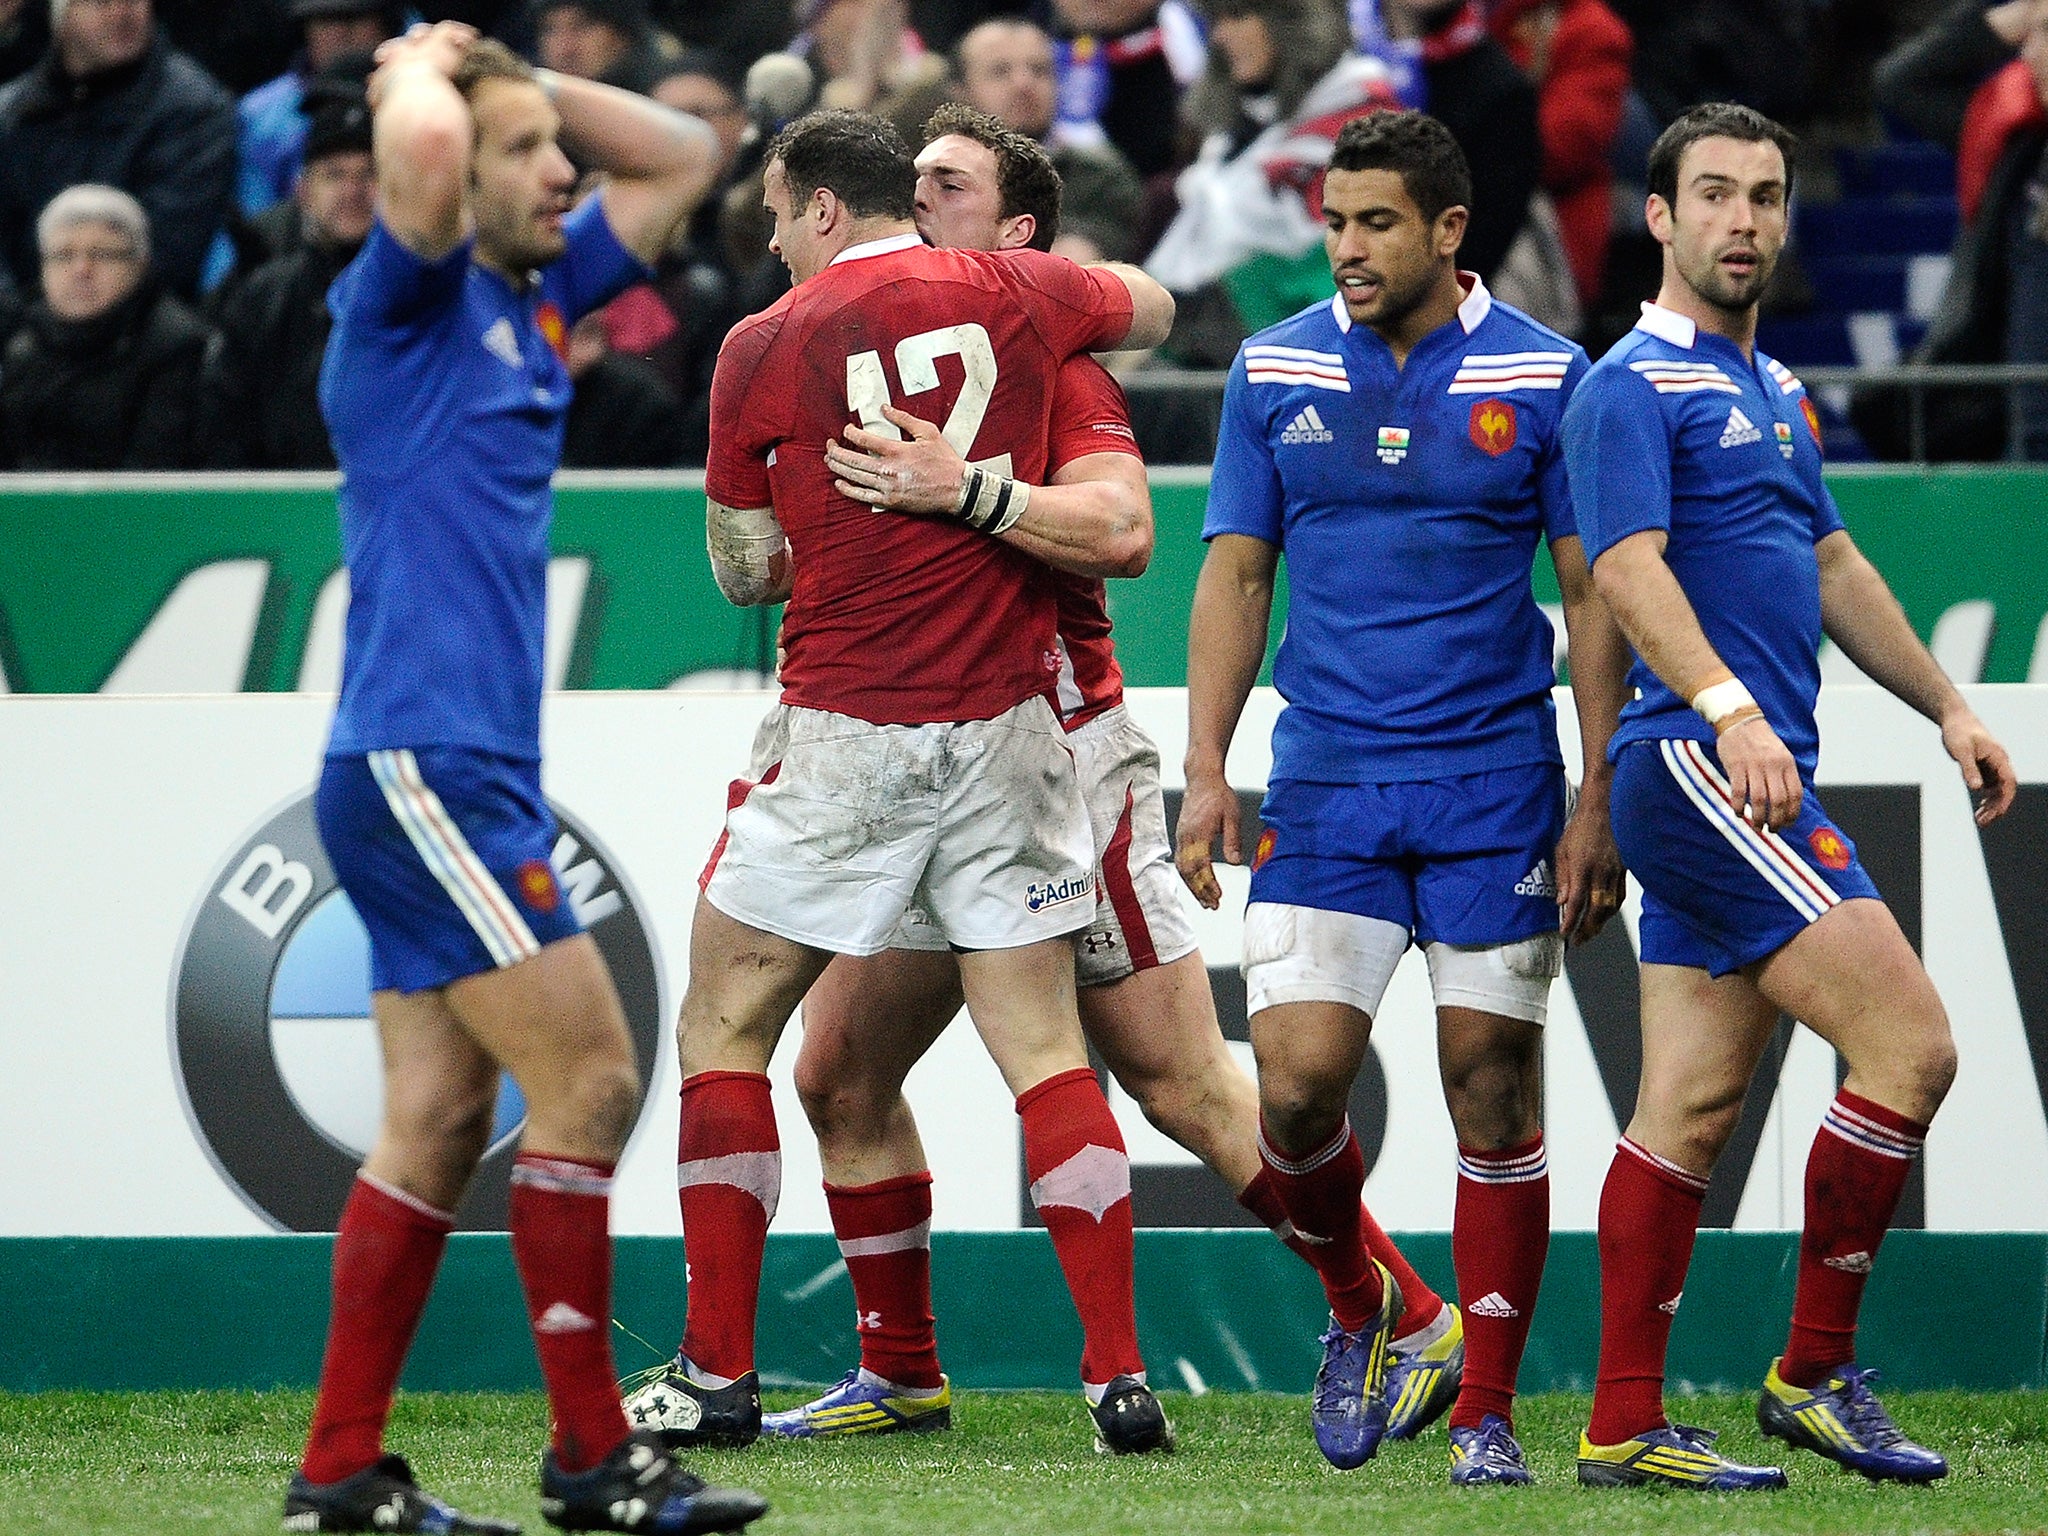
{"x": 1725, "y": 703}
{"x": 990, "y": 502}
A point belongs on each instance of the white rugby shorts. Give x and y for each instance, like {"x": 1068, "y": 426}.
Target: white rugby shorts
{"x": 1139, "y": 920}
{"x": 843, "y": 827}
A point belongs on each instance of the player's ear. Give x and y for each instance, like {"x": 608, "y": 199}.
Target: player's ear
{"x": 1657, "y": 215}
{"x": 1016, "y": 232}
{"x": 1450, "y": 229}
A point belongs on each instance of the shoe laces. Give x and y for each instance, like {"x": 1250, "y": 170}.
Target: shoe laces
{"x": 1861, "y": 1410}
{"x": 1329, "y": 1392}
{"x": 1693, "y": 1438}
{"x": 1494, "y": 1441}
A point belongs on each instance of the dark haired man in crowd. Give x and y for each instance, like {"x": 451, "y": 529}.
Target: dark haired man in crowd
{"x": 1400, "y": 444}
{"x": 274, "y": 115}
{"x": 1695, "y": 466}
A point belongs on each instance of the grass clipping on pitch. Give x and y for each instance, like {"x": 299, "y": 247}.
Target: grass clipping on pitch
{"x": 179, "y": 1464}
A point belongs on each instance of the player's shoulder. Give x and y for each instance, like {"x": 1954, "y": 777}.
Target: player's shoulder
{"x": 751, "y": 337}
{"x": 1627, "y": 364}
{"x": 1504, "y": 325}
{"x": 1788, "y": 382}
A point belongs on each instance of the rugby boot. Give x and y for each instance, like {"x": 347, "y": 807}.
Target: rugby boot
{"x": 1842, "y": 1420}
{"x": 1423, "y": 1379}
{"x": 1129, "y": 1420}
{"x": 863, "y": 1407}
{"x": 641, "y": 1488}
{"x": 1678, "y": 1456}
{"x": 1488, "y": 1454}
{"x": 1349, "y": 1404}
{"x": 665, "y": 1400}
{"x": 381, "y": 1497}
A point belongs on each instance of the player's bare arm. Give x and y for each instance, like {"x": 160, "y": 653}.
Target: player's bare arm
{"x": 750, "y": 555}
{"x": 659, "y": 164}
{"x": 1093, "y": 519}
{"x": 1863, "y": 617}
{"x": 1151, "y": 306}
{"x": 1658, "y": 619}
{"x": 1226, "y": 642}
{"x": 1590, "y": 879}
{"x": 423, "y": 137}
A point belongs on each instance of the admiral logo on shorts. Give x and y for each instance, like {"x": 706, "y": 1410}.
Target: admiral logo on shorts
{"x": 1040, "y": 894}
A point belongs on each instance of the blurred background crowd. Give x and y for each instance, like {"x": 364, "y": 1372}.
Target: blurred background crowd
{"x": 180, "y": 180}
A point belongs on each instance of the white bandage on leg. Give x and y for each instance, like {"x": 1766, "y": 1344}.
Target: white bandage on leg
{"x": 1307, "y": 955}
{"x": 1512, "y": 980}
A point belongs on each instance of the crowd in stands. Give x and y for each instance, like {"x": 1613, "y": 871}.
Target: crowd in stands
{"x": 181, "y": 180}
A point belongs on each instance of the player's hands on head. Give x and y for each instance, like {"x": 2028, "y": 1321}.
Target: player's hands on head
{"x": 919, "y": 473}
{"x": 440, "y": 44}
{"x": 1987, "y": 769}
{"x": 1208, "y": 810}
{"x": 1763, "y": 778}
{"x": 1591, "y": 881}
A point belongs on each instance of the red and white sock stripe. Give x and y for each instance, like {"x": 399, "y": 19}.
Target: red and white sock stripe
{"x": 1281, "y": 1163}
{"x": 1861, "y": 1130}
{"x": 1513, "y": 1166}
{"x": 1693, "y": 1181}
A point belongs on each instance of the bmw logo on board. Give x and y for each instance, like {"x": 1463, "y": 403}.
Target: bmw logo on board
{"x": 271, "y": 1034}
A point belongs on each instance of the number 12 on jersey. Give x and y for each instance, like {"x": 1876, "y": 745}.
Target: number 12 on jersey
{"x": 867, "y": 387}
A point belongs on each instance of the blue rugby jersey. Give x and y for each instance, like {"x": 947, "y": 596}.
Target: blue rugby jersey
{"x": 445, "y": 398}
{"x": 1674, "y": 429}
{"x": 1408, "y": 503}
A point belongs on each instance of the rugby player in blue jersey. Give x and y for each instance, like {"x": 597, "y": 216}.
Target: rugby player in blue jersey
{"x": 1695, "y": 465}
{"x": 1400, "y": 444}
{"x": 445, "y": 396}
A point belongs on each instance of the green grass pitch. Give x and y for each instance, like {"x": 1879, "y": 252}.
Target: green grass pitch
{"x": 182, "y": 1464}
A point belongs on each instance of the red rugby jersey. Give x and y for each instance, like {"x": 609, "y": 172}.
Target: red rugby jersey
{"x": 905, "y": 620}
{"x": 1089, "y": 415}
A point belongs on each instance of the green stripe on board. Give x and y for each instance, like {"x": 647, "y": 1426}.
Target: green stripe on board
{"x": 1945, "y": 1309}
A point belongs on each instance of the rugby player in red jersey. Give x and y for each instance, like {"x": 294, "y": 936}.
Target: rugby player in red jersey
{"x": 915, "y": 766}
{"x": 1144, "y": 990}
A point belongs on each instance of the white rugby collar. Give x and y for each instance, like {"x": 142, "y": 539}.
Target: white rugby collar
{"x": 1472, "y": 309}
{"x": 1668, "y": 325}
{"x": 886, "y": 246}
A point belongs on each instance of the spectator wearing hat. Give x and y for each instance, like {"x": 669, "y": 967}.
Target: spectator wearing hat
{"x": 112, "y": 103}
{"x": 105, "y": 371}
{"x": 273, "y": 126}
{"x": 613, "y": 41}
{"x": 274, "y": 322}
{"x": 1005, "y": 67}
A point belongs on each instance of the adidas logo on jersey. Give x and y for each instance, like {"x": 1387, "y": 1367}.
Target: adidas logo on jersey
{"x": 1740, "y": 429}
{"x": 1307, "y": 428}
{"x": 1537, "y": 882}
{"x": 502, "y": 344}
{"x": 1493, "y": 1304}
{"x": 1671, "y": 1307}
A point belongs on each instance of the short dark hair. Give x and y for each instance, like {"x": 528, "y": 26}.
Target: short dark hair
{"x": 1714, "y": 120}
{"x": 1024, "y": 171}
{"x": 856, "y": 156}
{"x": 1416, "y": 146}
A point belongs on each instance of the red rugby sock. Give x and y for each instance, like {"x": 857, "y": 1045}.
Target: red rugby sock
{"x": 385, "y": 1253}
{"x": 1420, "y": 1304}
{"x": 1854, "y": 1175}
{"x": 562, "y": 1243}
{"x": 1500, "y": 1236}
{"x": 1649, "y": 1212}
{"x": 1081, "y": 1185}
{"x": 728, "y": 1180}
{"x": 885, "y": 1236}
{"x": 1321, "y": 1194}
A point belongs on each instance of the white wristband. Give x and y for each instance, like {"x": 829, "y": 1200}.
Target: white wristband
{"x": 1716, "y": 703}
